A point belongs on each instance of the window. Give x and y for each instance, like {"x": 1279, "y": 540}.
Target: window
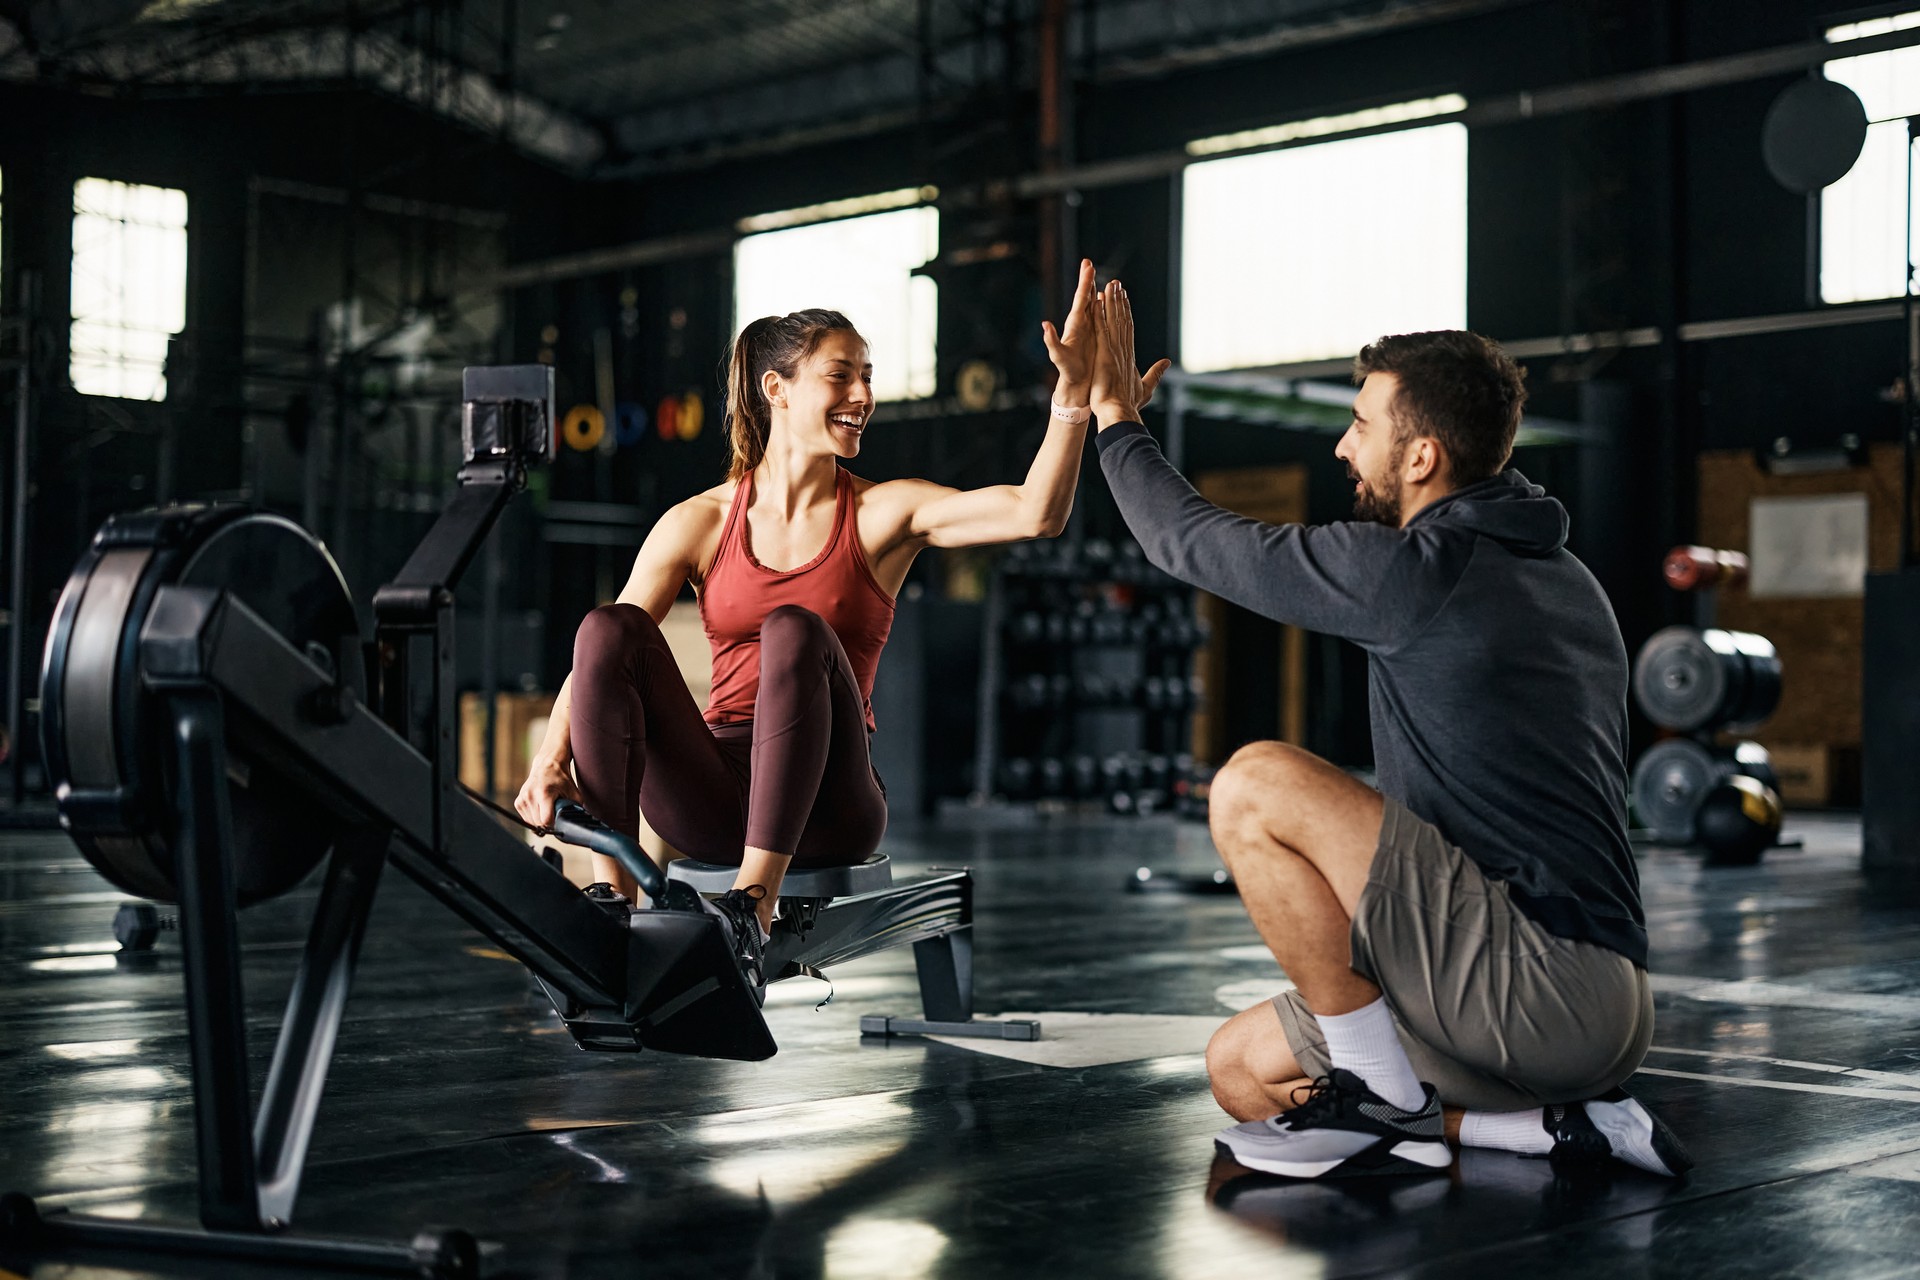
{"x": 1312, "y": 252}
{"x": 862, "y": 267}
{"x": 129, "y": 286}
{"x": 1863, "y": 244}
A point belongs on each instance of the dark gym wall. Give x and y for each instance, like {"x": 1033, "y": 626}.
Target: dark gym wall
{"x": 1640, "y": 215}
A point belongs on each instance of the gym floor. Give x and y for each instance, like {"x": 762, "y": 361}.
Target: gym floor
{"x": 1784, "y": 1057}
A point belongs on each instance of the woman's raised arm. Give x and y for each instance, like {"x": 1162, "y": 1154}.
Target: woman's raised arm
{"x": 938, "y": 516}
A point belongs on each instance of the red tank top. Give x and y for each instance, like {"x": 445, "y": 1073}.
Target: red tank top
{"x": 837, "y": 584}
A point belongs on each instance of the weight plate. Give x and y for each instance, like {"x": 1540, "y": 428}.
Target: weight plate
{"x": 1679, "y": 680}
{"x": 1760, "y": 691}
{"x": 1669, "y": 782}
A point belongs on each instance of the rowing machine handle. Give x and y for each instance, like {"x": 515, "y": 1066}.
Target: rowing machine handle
{"x": 572, "y": 823}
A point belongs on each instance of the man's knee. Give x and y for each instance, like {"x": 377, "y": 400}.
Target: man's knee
{"x": 1227, "y": 1052}
{"x": 1249, "y": 1061}
{"x": 1251, "y": 787}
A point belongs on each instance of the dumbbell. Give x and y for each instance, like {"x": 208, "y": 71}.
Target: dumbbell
{"x": 1028, "y": 627}
{"x": 138, "y": 925}
{"x": 1053, "y": 776}
{"x": 1159, "y": 772}
{"x": 1085, "y": 771}
{"x": 1016, "y": 777}
{"x": 1153, "y": 693}
{"x": 1056, "y": 628}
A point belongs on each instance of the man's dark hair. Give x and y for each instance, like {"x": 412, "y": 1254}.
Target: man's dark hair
{"x": 1457, "y": 387}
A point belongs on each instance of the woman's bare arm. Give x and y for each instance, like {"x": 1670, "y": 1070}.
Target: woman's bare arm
{"x": 934, "y": 515}
{"x": 667, "y": 560}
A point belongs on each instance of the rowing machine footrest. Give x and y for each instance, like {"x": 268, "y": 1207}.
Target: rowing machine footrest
{"x": 974, "y": 1029}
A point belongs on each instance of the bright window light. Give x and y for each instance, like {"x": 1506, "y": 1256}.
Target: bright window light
{"x": 1312, "y": 252}
{"x": 1322, "y": 126}
{"x": 129, "y": 286}
{"x": 862, "y": 268}
{"x": 1863, "y": 242}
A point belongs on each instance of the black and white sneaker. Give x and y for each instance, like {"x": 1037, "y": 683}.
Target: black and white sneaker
{"x": 1614, "y": 1126}
{"x": 1343, "y": 1129}
{"x": 739, "y": 912}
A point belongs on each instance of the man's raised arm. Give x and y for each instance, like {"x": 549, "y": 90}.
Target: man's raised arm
{"x": 1330, "y": 578}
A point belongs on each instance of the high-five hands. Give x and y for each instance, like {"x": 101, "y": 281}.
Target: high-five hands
{"x": 1072, "y": 347}
{"x": 1119, "y": 388}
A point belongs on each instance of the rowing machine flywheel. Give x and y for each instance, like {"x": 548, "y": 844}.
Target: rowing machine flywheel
{"x": 105, "y": 730}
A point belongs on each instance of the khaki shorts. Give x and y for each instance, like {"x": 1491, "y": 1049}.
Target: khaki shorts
{"x": 1495, "y": 1012}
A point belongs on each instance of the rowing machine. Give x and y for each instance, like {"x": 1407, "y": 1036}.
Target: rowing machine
{"x": 215, "y": 728}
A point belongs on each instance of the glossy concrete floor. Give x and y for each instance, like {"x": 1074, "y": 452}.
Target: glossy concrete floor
{"x": 1787, "y": 1057}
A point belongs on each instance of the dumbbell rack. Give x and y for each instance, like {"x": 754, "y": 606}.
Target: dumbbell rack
{"x": 1086, "y": 677}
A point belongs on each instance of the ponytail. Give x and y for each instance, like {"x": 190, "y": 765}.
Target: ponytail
{"x": 778, "y": 343}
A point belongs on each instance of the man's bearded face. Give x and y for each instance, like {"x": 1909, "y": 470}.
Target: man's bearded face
{"x": 1377, "y": 498}
{"x": 1374, "y": 458}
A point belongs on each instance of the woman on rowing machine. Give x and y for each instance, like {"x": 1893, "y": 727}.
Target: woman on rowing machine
{"x": 796, "y": 563}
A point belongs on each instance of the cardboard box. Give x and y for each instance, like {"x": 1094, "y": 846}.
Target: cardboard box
{"x": 1806, "y": 775}
{"x": 520, "y": 722}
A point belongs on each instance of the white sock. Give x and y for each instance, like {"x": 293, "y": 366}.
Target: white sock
{"x": 1520, "y": 1131}
{"x": 1365, "y": 1043}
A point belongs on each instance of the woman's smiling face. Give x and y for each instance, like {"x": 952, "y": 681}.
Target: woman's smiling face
{"x": 829, "y": 399}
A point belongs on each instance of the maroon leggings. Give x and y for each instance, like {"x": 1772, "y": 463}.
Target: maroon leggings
{"x": 796, "y": 780}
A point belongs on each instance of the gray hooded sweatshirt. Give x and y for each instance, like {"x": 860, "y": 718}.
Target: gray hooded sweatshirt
{"x": 1496, "y": 674}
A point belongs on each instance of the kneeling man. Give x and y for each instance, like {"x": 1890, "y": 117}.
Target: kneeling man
{"x": 1466, "y": 944}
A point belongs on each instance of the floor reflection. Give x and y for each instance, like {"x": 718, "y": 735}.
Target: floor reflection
{"x": 1364, "y": 1224}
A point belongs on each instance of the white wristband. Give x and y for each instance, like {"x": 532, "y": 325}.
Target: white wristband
{"x": 1073, "y": 417}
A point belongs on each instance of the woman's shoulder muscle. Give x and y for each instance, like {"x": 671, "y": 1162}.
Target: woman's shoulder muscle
{"x": 693, "y": 527}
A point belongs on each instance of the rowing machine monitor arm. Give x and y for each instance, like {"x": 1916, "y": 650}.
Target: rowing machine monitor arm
{"x": 506, "y": 428}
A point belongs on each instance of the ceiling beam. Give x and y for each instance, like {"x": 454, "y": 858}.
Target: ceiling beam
{"x": 1588, "y": 95}
{"x": 324, "y": 56}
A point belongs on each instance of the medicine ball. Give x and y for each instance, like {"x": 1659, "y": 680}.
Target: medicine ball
{"x": 1738, "y": 821}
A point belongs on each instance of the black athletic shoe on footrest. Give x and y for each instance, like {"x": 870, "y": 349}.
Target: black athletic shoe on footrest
{"x": 739, "y": 912}
{"x": 1616, "y": 1126}
{"x": 1343, "y": 1129}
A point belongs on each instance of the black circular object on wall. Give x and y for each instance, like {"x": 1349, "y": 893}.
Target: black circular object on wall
{"x": 1813, "y": 133}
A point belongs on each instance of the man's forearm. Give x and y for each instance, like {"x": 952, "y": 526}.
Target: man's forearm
{"x": 1268, "y": 568}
